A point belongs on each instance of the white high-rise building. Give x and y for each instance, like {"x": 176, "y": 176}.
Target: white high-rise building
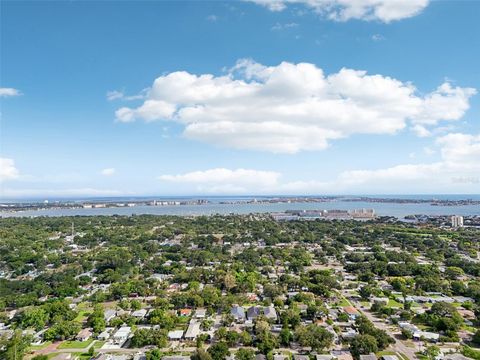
{"x": 457, "y": 221}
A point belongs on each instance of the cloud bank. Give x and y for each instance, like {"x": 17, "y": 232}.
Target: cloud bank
{"x": 293, "y": 107}
{"x": 458, "y": 171}
{"x": 343, "y": 10}
{"x": 221, "y": 180}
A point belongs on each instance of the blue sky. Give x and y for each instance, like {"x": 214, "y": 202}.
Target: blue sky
{"x": 251, "y": 98}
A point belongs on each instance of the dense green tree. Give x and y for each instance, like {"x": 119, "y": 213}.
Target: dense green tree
{"x": 219, "y": 351}
{"x": 245, "y": 354}
{"x": 363, "y": 345}
{"x": 143, "y": 337}
{"x": 35, "y": 317}
{"x": 201, "y": 354}
{"x": 314, "y": 336}
{"x": 15, "y": 347}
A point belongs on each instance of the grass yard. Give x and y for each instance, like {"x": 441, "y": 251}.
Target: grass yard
{"x": 343, "y": 302}
{"x": 39, "y": 347}
{"x": 386, "y": 352}
{"x": 75, "y": 344}
{"x": 82, "y": 315}
{"x": 98, "y": 344}
{"x": 394, "y": 304}
{"x": 82, "y": 356}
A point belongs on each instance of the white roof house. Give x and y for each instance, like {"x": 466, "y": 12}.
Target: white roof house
{"x": 175, "y": 335}
{"x": 122, "y": 335}
{"x": 200, "y": 313}
{"x": 109, "y": 314}
{"x": 418, "y": 335}
{"x": 193, "y": 330}
{"x": 104, "y": 335}
{"x": 140, "y": 314}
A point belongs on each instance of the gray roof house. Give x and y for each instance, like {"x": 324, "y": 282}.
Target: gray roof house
{"x": 270, "y": 313}
{"x": 368, "y": 357}
{"x": 253, "y": 312}
{"x": 238, "y": 313}
{"x": 109, "y": 314}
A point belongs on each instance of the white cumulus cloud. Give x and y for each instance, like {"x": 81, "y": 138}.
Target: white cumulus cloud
{"x": 8, "y": 171}
{"x": 344, "y": 10}
{"x": 108, "y": 172}
{"x": 293, "y": 107}
{"x": 221, "y": 180}
{"x": 6, "y": 92}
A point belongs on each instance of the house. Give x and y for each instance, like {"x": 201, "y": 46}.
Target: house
{"x": 260, "y": 357}
{"x": 185, "y": 312}
{"x": 390, "y": 357}
{"x": 176, "y": 357}
{"x": 193, "y": 330}
{"x": 348, "y": 333}
{"x": 270, "y": 313}
{"x": 368, "y": 357}
{"x": 253, "y": 312}
{"x": 301, "y": 357}
{"x": 139, "y": 314}
{"x": 123, "y": 312}
{"x": 103, "y": 336}
{"x": 119, "y": 357}
{"x": 201, "y": 313}
{"x": 455, "y": 357}
{"x": 63, "y": 356}
{"x": 276, "y": 328}
{"x": 122, "y": 335}
{"x": 324, "y": 357}
{"x": 429, "y": 336}
{"x": 238, "y": 313}
{"x": 303, "y": 308}
{"x": 84, "y": 335}
{"x": 175, "y": 335}
{"x": 280, "y": 357}
{"x": 139, "y": 356}
{"x": 408, "y": 327}
{"x": 351, "y": 312}
{"x": 380, "y": 300}
{"x": 345, "y": 356}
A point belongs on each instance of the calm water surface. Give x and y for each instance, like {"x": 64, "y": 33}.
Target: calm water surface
{"x": 391, "y": 209}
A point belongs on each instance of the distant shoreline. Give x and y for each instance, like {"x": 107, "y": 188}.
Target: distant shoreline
{"x": 384, "y": 206}
{"x": 114, "y": 203}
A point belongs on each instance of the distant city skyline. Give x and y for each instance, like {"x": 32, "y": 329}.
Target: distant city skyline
{"x": 260, "y": 97}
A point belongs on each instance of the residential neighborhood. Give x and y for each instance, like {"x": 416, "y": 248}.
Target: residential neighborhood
{"x": 250, "y": 287}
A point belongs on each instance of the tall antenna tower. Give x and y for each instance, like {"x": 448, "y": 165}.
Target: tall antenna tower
{"x": 73, "y": 230}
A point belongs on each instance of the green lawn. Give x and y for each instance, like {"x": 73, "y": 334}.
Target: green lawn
{"x": 98, "y": 344}
{"x": 421, "y": 356}
{"x": 343, "y": 302}
{"x": 82, "y": 356}
{"x": 82, "y": 315}
{"x": 386, "y": 352}
{"x": 75, "y": 344}
{"x": 83, "y": 306}
{"x": 39, "y": 347}
{"x": 394, "y": 304}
